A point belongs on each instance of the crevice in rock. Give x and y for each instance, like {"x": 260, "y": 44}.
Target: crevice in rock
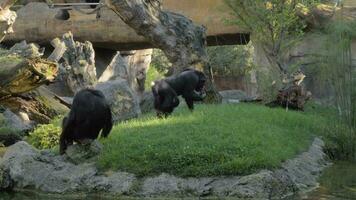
{"x": 62, "y": 15}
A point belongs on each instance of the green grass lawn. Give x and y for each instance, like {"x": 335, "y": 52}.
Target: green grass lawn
{"x": 213, "y": 140}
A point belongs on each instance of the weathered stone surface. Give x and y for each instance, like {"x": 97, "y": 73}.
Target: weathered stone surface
{"x": 105, "y": 29}
{"x": 117, "y": 69}
{"x": 27, "y": 50}
{"x": 131, "y": 66}
{"x": 123, "y": 101}
{"x": 13, "y": 121}
{"x": 147, "y": 102}
{"x": 181, "y": 40}
{"x": 43, "y": 171}
{"x": 5, "y": 179}
{"x": 25, "y": 167}
{"x": 79, "y": 63}
{"x": 80, "y": 153}
{"x": 7, "y": 18}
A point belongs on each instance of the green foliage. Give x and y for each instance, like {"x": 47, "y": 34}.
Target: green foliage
{"x": 213, "y": 140}
{"x": 336, "y": 70}
{"x": 46, "y": 136}
{"x": 151, "y": 76}
{"x": 231, "y": 60}
{"x": 160, "y": 62}
{"x": 274, "y": 25}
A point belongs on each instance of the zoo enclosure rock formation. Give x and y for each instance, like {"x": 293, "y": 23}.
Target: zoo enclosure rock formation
{"x": 105, "y": 29}
{"x": 7, "y": 18}
{"x": 79, "y": 64}
{"x": 182, "y": 41}
{"x": 22, "y": 72}
{"x": 131, "y": 66}
{"x": 123, "y": 101}
{"x": 25, "y": 167}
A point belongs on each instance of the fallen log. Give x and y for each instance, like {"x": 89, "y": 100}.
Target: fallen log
{"x": 21, "y": 70}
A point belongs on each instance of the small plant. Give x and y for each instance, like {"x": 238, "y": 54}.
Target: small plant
{"x": 152, "y": 75}
{"x": 46, "y": 136}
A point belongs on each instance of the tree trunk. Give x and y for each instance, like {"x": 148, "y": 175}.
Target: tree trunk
{"x": 22, "y": 69}
{"x": 79, "y": 63}
{"x": 7, "y": 17}
{"x": 183, "y": 42}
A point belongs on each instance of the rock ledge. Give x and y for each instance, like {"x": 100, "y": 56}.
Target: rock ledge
{"x": 24, "y": 167}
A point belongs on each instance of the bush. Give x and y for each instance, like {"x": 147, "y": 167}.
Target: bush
{"x": 46, "y": 136}
{"x": 235, "y": 60}
{"x": 152, "y": 75}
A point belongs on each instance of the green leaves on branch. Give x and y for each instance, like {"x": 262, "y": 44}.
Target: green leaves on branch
{"x": 274, "y": 24}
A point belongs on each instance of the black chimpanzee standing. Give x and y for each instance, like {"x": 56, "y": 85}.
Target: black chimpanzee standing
{"x": 190, "y": 84}
{"x": 89, "y": 114}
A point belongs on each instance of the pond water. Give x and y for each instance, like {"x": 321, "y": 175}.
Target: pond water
{"x": 337, "y": 182}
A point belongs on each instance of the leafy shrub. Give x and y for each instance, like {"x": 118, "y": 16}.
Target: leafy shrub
{"x": 233, "y": 60}
{"x": 152, "y": 75}
{"x": 160, "y": 62}
{"x": 46, "y": 136}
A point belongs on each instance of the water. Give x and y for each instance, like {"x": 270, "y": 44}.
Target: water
{"x": 337, "y": 182}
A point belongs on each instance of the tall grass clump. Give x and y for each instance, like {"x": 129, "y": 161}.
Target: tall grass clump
{"x": 340, "y": 73}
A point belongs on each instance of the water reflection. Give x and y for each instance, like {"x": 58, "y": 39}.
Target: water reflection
{"x": 337, "y": 183}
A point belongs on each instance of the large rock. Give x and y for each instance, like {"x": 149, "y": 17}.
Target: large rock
{"x": 123, "y": 101}
{"x": 80, "y": 153}
{"x": 131, "y": 66}
{"x": 25, "y": 167}
{"x": 147, "y": 102}
{"x": 21, "y": 123}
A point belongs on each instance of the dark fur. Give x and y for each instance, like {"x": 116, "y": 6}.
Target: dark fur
{"x": 189, "y": 84}
{"x": 89, "y": 114}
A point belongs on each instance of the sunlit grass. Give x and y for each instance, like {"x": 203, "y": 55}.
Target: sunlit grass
{"x": 213, "y": 140}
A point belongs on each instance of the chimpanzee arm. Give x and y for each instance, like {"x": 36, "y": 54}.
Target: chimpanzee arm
{"x": 67, "y": 128}
{"x": 108, "y": 124}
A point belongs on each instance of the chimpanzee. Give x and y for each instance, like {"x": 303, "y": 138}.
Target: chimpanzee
{"x": 190, "y": 84}
{"x": 89, "y": 114}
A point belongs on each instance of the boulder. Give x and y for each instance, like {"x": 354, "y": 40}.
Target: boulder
{"x": 80, "y": 153}
{"x": 23, "y": 167}
{"x": 131, "y": 66}
{"x": 5, "y": 179}
{"x": 146, "y": 102}
{"x": 15, "y": 122}
{"x": 123, "y": 101}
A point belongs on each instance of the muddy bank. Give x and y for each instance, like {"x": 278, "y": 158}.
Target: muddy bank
{"x": 23, "y": 167}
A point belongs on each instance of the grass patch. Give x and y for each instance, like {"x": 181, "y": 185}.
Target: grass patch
{"x": 213, "y": 140}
